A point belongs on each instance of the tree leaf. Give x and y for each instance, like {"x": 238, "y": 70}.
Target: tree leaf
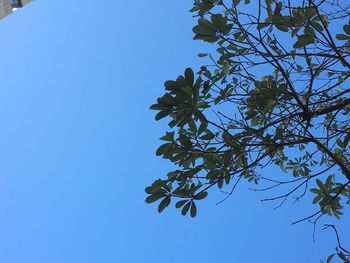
{"x": 317, "y": 26}
{"x": 193, "y": 209}
{"x": 201, "y": 55}
{"x": 164, "y": 203}
{"x": 186, "y": 208}
{"x": 189, "y": 76}
{"x": 154, "y": 197}
{"x": 163, "y": 149}
{"x": 342, "y": 37}
{"x": 162, "y": 114}
{"x": 346, "y": 29}
{"x": 180, "y": 203}
{"x": 303, "y": 41}
{"x": 329, "y": 259}
{"x": 236, "y": 2}
{"x": 200, "y": 195}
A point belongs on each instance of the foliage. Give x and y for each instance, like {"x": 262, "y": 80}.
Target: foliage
{"x": 275, "y": 91}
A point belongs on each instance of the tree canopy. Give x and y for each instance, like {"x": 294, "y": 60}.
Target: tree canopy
{"x": 273, "y": 91}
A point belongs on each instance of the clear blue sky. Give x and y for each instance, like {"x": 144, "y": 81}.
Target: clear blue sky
{"x": 77, "y": 146}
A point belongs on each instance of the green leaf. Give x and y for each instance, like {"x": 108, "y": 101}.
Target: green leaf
{"x": 204, "y": 31}
{"x": 346, "y": 140}
{"x": 278, "y": 8}
{"x": 189, "y": 76}
{"x": 206, "y": 23}
{"x": 226, "y": 69}
{"x": 278, "y": 134}
{"x": 163, "y": 149}
{"x": 171, "y": 85}
{"x": 169, "y": 136}
{"x": 200, "y": 196}
{"x": 342, "y": 37}
{"x": 153, "y": 190}
{"x": 303, "y": 41}
{"x": 164, "y": 203}
{"x": 282, "y": 27}
{"x": 162, "y": 114}
{"x": 201, "y": 55}
{"x": 329, "y": 182}
{"x": 180, "y": 203}
{"x": 346, "y": 29}
{"x": 236, "y": 2}
{"x": 321, "y": 186}
{"x": 340, "y": 143}
{"x": 226, "y": 136}
{"x": 317, "y": 199}
{"x": 329, "y": 259}
{"x": 255, "y": 121}
{"x": 317, "y": 26}
{"x": 263, "y": 25}
{"x": 187, "y": 90}
{"x": 186, "y": 208}
{"x": 220, "y": 23}
{"x": 342, "y": 257}
{"x": 208, "y": 136}
{"x": 193, "y": 209}
{"x": 153, "y": 198}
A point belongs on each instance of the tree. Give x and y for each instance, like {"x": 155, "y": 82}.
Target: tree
{"x": 274, "y": 91}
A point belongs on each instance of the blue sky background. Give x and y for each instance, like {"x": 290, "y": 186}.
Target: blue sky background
{"x": 77, "y": 146}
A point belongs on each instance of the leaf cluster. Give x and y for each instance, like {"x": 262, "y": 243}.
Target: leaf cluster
{"x": 274, "y": 92}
